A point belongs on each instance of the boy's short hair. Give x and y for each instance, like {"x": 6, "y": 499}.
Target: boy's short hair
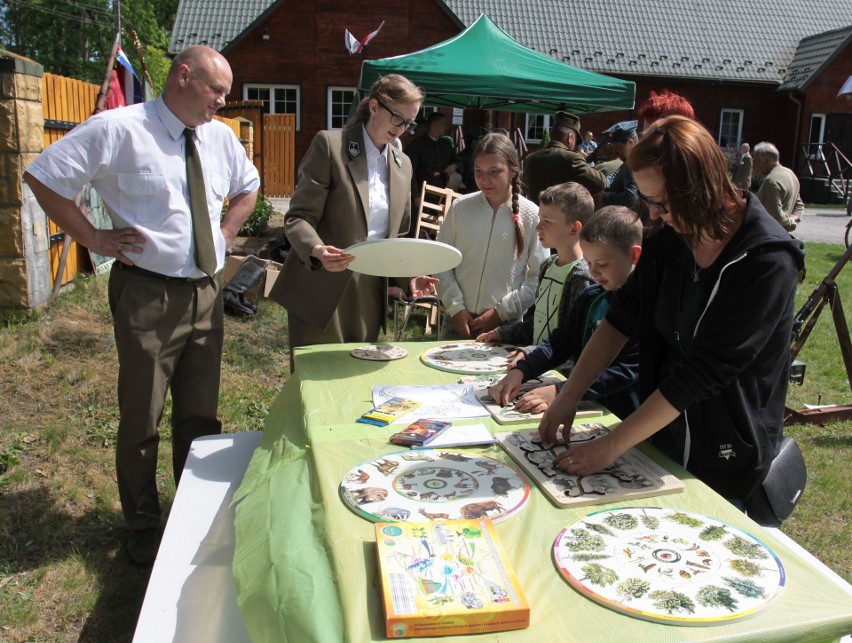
{"x": 616, "y": 225}
{"x": 575, "y": 201}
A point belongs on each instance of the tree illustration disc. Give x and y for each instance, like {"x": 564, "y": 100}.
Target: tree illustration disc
{"x": 668, "y": 566}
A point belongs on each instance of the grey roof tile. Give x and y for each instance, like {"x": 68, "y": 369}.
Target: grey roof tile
{"x": 215, "y": 23}
{"x": 813, "y": 54}
{"x": 730, "y": 40}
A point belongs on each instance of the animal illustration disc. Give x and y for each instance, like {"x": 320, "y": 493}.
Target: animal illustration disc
{"x": 668, "y": 566}
{"x": 434, "y": 484}
{"x": 468, "y": 357}
{"x": 379, "y": 352}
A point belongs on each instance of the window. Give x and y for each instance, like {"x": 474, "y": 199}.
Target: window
{"x": 339, "y": 103}
{"x": 536, "y": 126}
{"x": 816, "y": 137}
{"x": 730, "y": 128}
{"x": 278, "y": 99}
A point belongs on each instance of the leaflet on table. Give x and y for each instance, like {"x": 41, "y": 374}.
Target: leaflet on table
{"x": 437, "y": 402}
{"x": 447, "y": 578}
{"x": 420, "y": 432}
{"x": 460, "y": 435}
{"x": 389, "y": 410}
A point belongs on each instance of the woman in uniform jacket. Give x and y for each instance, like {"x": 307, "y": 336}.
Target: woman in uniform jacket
{"x": 354, "y": 185}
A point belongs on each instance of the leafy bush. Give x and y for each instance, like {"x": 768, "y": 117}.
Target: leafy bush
{"x": 258, "y": 222}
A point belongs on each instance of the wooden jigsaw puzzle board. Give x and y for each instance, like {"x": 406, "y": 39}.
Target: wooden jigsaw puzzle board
{"x": 508, "y": 414}
{"x": 633, "y": 475}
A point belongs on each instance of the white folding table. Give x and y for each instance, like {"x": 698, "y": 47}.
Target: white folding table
{"x": 191, "y": 594}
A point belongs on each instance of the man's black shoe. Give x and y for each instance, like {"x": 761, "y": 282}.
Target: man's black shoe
{"x": 142, "y": 546}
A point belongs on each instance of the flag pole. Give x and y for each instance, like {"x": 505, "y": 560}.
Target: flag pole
{"x": 102, "y": 94}
{"x": 144, "y": 66}
{"x": 99, "y": 106}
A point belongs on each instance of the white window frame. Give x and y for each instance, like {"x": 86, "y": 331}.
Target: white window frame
{"x": 329, "y": 116}
{"x": 822, "y": 118}
{"x": 740, "y": 117}
{"x": 528, "y": 118}
{"x": 272, "y": 89}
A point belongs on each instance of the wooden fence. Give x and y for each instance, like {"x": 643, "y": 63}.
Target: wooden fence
{"x": 279, "y": 155}
{"x": 66, "y": 102}
{"x": 274, "y": 146}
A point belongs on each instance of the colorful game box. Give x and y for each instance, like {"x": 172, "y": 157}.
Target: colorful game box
{"x": 447, "y": 578}
{"x": 420, "y": 433}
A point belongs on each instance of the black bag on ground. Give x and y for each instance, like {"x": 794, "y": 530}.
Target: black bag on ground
{"x": 244, "y": 279}
{"x": 279, "y": 248}
{"x": 775, "y": 499}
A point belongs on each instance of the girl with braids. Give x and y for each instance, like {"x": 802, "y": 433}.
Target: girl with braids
{"x": 501, "y": 255}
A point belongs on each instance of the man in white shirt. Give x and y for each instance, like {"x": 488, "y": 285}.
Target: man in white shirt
{"x": 167, "y": 310}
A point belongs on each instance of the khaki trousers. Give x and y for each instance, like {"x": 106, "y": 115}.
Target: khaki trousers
{"x": 168, "y": 335}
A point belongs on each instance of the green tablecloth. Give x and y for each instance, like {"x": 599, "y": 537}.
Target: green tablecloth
{"x": 305, "y": 566}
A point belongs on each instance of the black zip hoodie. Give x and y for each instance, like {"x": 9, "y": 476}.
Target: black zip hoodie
{"x": 716, "y": 343}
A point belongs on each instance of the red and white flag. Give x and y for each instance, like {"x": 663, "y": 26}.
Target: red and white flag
{"x": 355, "y": 46}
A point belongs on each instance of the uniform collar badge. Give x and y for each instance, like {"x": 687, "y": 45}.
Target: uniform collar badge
{"x": 354, "y": 148}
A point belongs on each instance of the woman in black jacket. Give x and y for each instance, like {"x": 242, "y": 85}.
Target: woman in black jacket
{"x": 712, "y": 302}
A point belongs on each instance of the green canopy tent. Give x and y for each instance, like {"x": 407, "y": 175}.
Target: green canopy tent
{"x": 483, "y": 68}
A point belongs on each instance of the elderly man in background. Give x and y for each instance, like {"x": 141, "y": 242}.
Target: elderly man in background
{"x": 742, "y": 175}
{"x": 559, "y": 162}
{"x": 163, "y": 169}
{"x": 779, "y": 192}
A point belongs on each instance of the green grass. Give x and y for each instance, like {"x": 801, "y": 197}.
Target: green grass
{"x": 63, "y": 576}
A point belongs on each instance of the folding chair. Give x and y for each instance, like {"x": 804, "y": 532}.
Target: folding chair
{"x": 431, "y": 213}
{"x": 430, "y": 216}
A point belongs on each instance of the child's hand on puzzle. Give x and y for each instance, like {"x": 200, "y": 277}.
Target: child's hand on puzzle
{"x": 491, "y": 337}
{"x": 537, "y": 400}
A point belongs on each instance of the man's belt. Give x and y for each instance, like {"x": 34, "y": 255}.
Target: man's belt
{"x": 156, "y": 275}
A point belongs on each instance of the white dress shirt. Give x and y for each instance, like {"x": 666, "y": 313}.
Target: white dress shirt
{"x": 378, "y": 180}
{"x": 134, "y": 157}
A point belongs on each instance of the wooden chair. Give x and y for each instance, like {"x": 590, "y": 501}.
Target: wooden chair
{"x": 430, "y": 216}
{"x": 431, "y": 213}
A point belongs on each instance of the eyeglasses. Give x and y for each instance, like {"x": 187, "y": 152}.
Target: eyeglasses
{"x": 395, "y": 119}
{"x": 660, "y": 205}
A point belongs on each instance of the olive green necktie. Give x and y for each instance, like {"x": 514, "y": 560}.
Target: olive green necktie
{"x": 205, "y": 251}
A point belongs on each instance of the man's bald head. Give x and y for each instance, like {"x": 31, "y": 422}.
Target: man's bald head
{"x": 198, "y": 81}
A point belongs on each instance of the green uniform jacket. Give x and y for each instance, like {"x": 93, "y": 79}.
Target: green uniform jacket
{"x": 330, "y": 207}
{"x": 556, "y": 164}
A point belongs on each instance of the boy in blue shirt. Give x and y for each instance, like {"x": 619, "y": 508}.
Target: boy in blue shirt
{"x": 611, "y": 242}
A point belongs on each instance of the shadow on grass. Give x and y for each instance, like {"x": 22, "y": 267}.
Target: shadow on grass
{"x": 832, "y": 441}
{"x": 35, "y": 534}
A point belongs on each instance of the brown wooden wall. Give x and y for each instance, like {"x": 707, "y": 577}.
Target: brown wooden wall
{"x": 821, "y": 97}
{"x": 306, "y": 48}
